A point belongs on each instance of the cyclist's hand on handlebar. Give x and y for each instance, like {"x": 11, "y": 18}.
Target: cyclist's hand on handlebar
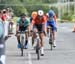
{"x": 31, "y": 30}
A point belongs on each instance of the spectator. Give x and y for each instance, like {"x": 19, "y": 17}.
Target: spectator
{"x": 2, "y": 43}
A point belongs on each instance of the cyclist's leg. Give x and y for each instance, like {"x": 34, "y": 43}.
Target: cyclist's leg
{"x": 41, "y": 37}
{"x": 42, "y": 43}
{"x": 41, "y": 34}
{"x": 26, "y": 40}
{"x": 44, "y": 28}
{"x": 18, "y": 39}
{"x": 34, "y": 36}
{"x": 48, "y": 26}
{"x": 53, "y": 25}
{"x": 26, "y": 36}
{"x": 40, "y": 29}
{"x": 18, "y": 36}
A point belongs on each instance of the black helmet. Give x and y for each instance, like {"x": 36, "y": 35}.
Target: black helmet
{"x": 23, "y": 14}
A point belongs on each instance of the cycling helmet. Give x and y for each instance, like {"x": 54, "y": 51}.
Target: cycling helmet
{"x": 51, "y": 13}
{"x": 34, "y": 13}
{"x": 40, "y": 12}
{"x": 23, "y": 15}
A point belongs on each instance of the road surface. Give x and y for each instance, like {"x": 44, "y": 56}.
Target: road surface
{"x": 64, "y": 53}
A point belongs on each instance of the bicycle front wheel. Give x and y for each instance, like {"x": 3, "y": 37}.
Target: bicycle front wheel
{"x": 51, "y": 44}
{"x": 22, "y": 47}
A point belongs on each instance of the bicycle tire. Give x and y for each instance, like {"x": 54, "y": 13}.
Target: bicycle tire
{"x": 21, "y": 51}
{"x": 38, "y": 50}
{"x": 22, "y": 47}
{"x": 38, "y": 53}
{"x": 51, "y": 47}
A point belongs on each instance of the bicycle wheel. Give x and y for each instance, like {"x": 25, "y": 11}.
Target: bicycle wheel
{"x": 32, "y": 41}
{"x": 50, "y": 42}
{"x": 38, "y": 54}
{"x": 22, "y": 47}
{"x": 38, "y": 49}
{"x": 51, "y": 47}
{"x": 21, "y": 51}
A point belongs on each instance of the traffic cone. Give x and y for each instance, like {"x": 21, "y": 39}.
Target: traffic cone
{"x": 74, "y": 28}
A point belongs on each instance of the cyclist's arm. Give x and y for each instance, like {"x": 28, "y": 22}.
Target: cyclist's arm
{"x": 55, "y": 19}
{"x": 32, "y": 23}
{"x": 44, "y": 23}
{"x": 28, "y": 23}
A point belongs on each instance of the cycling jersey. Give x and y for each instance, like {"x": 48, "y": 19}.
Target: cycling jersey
{"x": 1, "y": 28}
{"x": 25, "y": 23}
{"x": 52, "y": 22}
{"x": 39, "y": 23}
{"x": 37, "y": 20}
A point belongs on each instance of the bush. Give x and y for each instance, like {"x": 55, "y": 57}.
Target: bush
{"x": 19, "y": 9}
{"x": 67, "y": 16}
{"x": 32, "y": 8}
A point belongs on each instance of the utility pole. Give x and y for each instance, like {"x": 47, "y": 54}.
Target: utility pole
{"x": 59, "y": 9}
{"x": 63, "y": 6}
{"x": 68, "y": 6}
{"x": 74, "y": 7}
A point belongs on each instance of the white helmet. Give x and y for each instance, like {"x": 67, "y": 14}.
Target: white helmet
{"x": 40, "y": 12}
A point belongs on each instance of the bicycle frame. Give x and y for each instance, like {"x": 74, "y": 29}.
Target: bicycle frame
{"x": 22, "y": 36}
{"x": 38, "y": 46}
{"x": 50, "y": 37}
{"x": 22, "y": 41}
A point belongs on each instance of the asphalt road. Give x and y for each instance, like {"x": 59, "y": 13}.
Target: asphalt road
{"x": 64, "y": 53}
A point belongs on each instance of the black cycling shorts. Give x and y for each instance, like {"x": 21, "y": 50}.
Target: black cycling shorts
{"x": 22, "y": 28}
{"x": 39, "y": 27}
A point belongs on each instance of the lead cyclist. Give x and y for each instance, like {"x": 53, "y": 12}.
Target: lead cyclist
{"x": 39, "y": 26}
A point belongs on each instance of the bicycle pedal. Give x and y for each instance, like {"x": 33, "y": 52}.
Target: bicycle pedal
{"x": 50, "y": 42}
{"x": 54, "y": 46}
{"x": 42, "y": 54}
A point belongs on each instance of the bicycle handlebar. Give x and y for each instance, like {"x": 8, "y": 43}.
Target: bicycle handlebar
{"x": 23, "y": 31}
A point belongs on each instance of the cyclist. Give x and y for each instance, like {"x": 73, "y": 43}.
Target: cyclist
{"x": 33, "y": 16}
{"x": 1, "y": 25}
{"x": 52, "y": 22}
{"x": 2, "y": 41}
{"x": 10, "y": 19}
{"x": 22, "y": 25}
{"x": 39, "y": 25}
{"x": 6, "y": 24}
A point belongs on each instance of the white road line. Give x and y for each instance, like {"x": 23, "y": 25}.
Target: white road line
{"x": 2, "y": 59}
{"x": 29, "y": 57}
